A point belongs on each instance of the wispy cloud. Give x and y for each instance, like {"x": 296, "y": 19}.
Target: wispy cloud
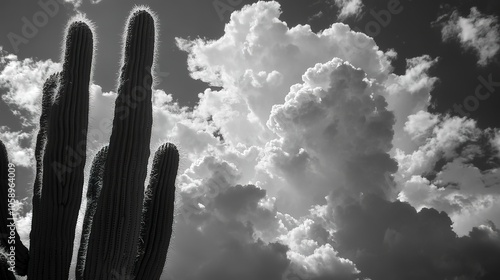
{"x": 349, "y": 8}
{"x": 477, "y": 32}
{"x": 78, "y": 3}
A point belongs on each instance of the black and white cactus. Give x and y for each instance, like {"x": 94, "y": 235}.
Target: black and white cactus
{"x": 124, "y": 230}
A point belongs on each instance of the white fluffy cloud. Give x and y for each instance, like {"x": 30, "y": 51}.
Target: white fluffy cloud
{"x": 323, "y": 119}
{"x": 312, "y": 253}
{"x": 408, "y": 94}
{"x": 442, "y": 142}
{"x": 257, "y": 60}
{"x": 21, "y": 84}
{"x": 349, "y": 8}
{"x": 18, "y": 145}
{"x": 478, "y": 32}
{"x": 447, "y": 149}
{"x": 340, "y": 123}
{"x": 419, "y": 124}
{"x": 277, "y": 113}
{"x": 23, "y": 80}
{"x": 471, "y": 197}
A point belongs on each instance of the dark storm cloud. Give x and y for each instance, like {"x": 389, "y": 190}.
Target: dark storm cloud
{"x": 219, "y": 241}
{"x": 391, "y": 240}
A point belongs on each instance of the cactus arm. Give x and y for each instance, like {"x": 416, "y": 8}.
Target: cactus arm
{"x": 49, "y": 88}
{"x": 158, "y": 214}
{"x": 116, "y": 223}
{"x": 93, "y": 192}
{"x": 48, "y": 92}
{"x": 53, "y": 234}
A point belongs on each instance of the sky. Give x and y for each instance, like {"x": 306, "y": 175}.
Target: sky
{"x": 320, "y": 139}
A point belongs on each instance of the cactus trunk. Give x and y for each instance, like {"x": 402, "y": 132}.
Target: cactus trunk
{"x": 116, "y": 222}
{"x": 53, "y": 229}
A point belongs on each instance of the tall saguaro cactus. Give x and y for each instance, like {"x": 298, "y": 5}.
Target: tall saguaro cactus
{"x": 113, "y": 238}
{"x": 124, "y": 231}
{"x": 56, "y": 211}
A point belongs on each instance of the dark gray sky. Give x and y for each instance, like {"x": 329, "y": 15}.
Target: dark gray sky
{"x": 368, "y": 224}
{"x": 187, "y": 18}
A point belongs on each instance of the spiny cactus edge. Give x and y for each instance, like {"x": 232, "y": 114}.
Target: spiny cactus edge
{"x": 118, "y": 236}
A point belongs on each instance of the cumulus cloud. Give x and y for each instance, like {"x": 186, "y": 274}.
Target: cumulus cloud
{"x": 325, "y": 126}
{"x": 445, "y": 173}
{"x": 477, "y": 32}
{"x": 452, "y": 183}
{"x": 18, "y": 146}
{"x": 420, "y": 124}
{"x": 342, "y": 124}
{"x": 469, "y": 196}
{"x": 257, "y": 60}
{"x": 443, "y": 141}
{"x": 407, "y": 95}
{"x": 348, "y": 8}
{"x": 273, "y": 59}
{"x": 220, "y": 229}
{"x": 23, "y": 81}
{"x": 312, "y": 253}
{"x": 391, "y": 240}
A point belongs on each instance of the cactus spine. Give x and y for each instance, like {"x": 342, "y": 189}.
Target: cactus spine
{"x": 113, "y": 240}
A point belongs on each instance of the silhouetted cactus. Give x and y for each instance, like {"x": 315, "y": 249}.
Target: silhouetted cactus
{"x": 113, "y": 238}
{"x": 6, "y": 219}
{"x": 158, "y": 214}
{"x": 56, "y": 211}
{"x": 93, "y": 192}
{"x": 118, "y": 236}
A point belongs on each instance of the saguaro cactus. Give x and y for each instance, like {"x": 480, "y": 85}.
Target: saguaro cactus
{"x": 158, "y": 213}
{"x": 124, "y": 231}
{"x": 57, "y": 205}
{"x": 113, "y": 237}
{"x": 93, "y": 192}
